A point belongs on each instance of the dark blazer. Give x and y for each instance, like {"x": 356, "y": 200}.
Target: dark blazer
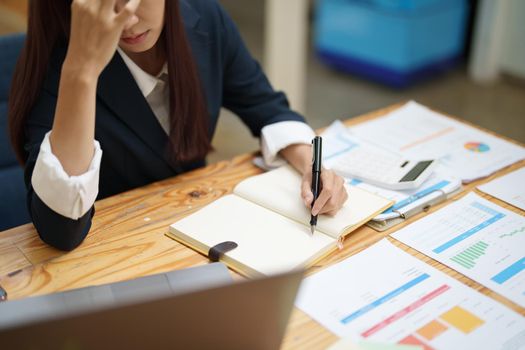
{"x": 131, "y": 138}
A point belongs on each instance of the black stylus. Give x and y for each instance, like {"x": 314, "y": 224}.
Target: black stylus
{"x": 317, "y": 145}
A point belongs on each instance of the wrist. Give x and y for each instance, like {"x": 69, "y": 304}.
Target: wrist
{"x": 73, "y": 70}
{"x": 299, "y": 156}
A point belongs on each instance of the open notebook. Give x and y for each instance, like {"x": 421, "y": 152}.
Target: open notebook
{"x": 266, "y": 217}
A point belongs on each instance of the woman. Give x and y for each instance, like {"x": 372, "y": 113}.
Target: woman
{"x": 142, "y": 81}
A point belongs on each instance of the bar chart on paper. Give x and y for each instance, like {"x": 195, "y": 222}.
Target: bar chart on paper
{"x": 405, "y": 301}
{"x": 477, "y": 238}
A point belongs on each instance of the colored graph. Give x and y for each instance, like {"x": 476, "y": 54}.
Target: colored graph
{"x": 457, "y": 317}
{"x": 468, "y": 257}
{"x": 516, "y": 231}
{"x": 431, "y": 330}
{"x": 405, "y": 311}
{"x": 478, "y": 239}
{"x": 412, "y": 340}
{"x": 385, "y": 298}
{"x": 462, "y": 319}
{"x": 477, "y": 147}
{"x": 510, "y": 272}
{"x": 483, "y": 210}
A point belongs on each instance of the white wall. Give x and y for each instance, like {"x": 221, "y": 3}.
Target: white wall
{"x": 499, "y": 40}
{"x": 512, "y": 58}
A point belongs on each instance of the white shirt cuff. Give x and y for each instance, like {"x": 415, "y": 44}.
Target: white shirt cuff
{"x": 277, "y": 136}
{"x": 69, "y": 196}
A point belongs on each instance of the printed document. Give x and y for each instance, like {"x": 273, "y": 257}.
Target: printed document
{"x": 383, "y": 294}
{"x": 417, "y": 132}
{"x": 479, "y": 239}
{"x": 509, "y": 188}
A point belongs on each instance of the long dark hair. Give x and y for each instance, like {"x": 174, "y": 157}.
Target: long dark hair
{"x": 49, "y": 24}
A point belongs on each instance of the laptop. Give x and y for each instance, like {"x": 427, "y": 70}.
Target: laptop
{"x": 195, "y": 308}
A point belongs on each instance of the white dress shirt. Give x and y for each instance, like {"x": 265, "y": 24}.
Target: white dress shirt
{"x": 73, "y": 196}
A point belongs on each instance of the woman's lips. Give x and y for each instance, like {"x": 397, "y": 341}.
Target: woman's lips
{"x": 137, "y": 39}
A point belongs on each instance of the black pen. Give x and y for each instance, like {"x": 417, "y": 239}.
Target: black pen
{"x": 317, "y": 145}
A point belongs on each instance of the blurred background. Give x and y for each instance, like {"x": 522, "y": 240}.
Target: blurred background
{"x": 337, "y": 59}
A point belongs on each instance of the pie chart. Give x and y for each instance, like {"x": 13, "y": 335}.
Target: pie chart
{"x": 477, "y": 147}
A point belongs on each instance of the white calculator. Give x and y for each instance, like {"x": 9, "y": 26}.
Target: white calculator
{"x": 383, "y": 169}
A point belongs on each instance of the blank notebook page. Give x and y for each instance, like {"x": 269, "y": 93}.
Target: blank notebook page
{"x": 268, "y": 242}
{"x": 280, "y": 191}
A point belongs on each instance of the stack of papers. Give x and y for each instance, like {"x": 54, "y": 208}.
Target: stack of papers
{"x": 389, "y": 297}
{"x": 383, "y": 294}
{"x": 417, "y": 132}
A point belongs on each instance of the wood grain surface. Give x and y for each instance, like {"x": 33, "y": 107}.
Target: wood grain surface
{"x": 127, "y": 240}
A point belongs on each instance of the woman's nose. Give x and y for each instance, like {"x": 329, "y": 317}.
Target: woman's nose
{"x": 119, "y": 4}
{"x": 131, "y": 22}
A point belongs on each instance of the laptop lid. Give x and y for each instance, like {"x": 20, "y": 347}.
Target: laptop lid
{"x": 89, "y": 299}
{"x": 245, "y": 315}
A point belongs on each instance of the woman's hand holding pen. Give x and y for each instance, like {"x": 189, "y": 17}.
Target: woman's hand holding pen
{"x": 96, "y": 28}
{"x": 332, "y": 196}
{"x": 333, "y": 192}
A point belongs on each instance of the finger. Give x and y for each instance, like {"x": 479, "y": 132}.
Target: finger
{"x": 306, "y": 191}
{"x": 332, "y": 212}
{"x": 333, "y": 204}
{"x": 335, "y": 191}
{"x": 345, "y": 195}
{"x": 106, "y": 6}
{"x": 78, "y": 2}
{"x": 339, "y": 196}
{"x": 85, "y": 4}
{"x": 327, "y": 181}
{"x": 95, "y": 5}
{"x": 320, "y": 202}
{"x": 128, "y": 11}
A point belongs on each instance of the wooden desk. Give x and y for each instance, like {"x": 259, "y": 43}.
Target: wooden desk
{"x": 127, "y": 240}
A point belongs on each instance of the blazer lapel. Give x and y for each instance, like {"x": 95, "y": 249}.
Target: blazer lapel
{"x": 119, "y": 91}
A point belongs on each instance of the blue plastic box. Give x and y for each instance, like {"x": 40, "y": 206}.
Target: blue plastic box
{"x": 396, "y": 42}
